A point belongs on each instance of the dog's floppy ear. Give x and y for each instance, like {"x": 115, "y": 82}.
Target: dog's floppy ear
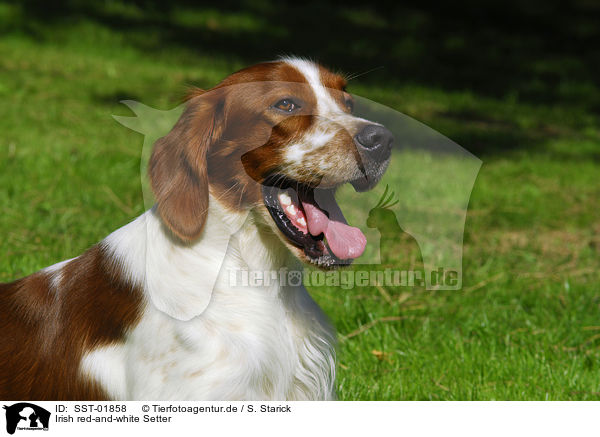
{"x": 178, "y": 165}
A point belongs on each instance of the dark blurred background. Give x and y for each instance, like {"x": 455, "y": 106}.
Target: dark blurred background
{"x": 541, "y": 50}
{"x": 536, "y": 54}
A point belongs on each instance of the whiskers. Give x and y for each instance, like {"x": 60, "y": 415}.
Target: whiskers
{"x": 353, "y": 76}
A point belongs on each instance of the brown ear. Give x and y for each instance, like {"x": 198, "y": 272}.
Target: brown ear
{"x": 178, "y": 166}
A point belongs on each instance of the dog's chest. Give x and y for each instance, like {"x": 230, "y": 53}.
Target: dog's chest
{"x": 199, "y": 341}
{"x": 250, "y": 347}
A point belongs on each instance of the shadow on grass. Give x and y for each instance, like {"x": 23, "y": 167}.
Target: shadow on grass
{"x": 539, "y": 52}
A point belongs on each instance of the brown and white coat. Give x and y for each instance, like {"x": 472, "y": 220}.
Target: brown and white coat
{"x": 150, "y": 312}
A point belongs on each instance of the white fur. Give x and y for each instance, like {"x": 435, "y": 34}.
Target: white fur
{"x": 236, "y": 343}
{"x": 183, "y": 290}
{"x": 105, "y": 366}
{"x": 330, "y": 117}
{"x": 55, "y": 272}
{"x": 330, "y": 120}
{"x": 296, "y": 152}
{"x": 326, "y": 106}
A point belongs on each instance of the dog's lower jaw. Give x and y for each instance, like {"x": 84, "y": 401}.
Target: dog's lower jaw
{"x": 250, "y": 341}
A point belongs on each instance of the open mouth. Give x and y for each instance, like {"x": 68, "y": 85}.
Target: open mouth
{"x": 311, "y": 219}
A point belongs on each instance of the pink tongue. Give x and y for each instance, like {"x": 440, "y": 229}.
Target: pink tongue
{"x": 346, "y": 242}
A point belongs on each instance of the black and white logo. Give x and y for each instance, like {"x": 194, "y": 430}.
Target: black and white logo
{"x": 27, "y": 417}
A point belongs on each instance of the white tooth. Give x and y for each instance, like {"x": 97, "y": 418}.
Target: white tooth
{"x": 291, "y": 209}
{"x": 301, "y": 221}
{"x": 285, "y": 199}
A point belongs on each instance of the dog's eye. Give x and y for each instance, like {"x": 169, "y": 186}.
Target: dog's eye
{"x": 287, "y": 105}
{"x": 349, "y": 105}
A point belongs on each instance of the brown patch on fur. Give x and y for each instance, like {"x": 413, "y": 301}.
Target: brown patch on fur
{"x": 235, "y": 138}
{"x": 331, "y": 80}
{"x": 335, "y": 86}
{"x": 46, "y": 331}
{"x": 265, "y": 72}
{"x": 178, "y": 166}
{"x": 267, "y": 159}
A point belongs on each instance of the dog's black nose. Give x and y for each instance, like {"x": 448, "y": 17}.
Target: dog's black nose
{"x": 376, "y": 141}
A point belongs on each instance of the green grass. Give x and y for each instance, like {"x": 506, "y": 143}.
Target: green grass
{"x": 525, "y": 325}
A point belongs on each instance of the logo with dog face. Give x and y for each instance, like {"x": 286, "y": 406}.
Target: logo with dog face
{"x": 26, "y": 416}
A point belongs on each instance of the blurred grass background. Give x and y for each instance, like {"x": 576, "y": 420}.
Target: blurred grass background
{"x": 515, "y": 83}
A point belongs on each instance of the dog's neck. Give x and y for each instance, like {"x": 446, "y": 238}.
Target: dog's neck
{"x": 193, "y": 314}
{"x": 178, "y": 278}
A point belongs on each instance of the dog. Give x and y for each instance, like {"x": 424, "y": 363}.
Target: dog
{"x": 245, "y": 180}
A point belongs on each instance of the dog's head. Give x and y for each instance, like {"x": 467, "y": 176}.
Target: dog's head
{"x": 278, "y": 136}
